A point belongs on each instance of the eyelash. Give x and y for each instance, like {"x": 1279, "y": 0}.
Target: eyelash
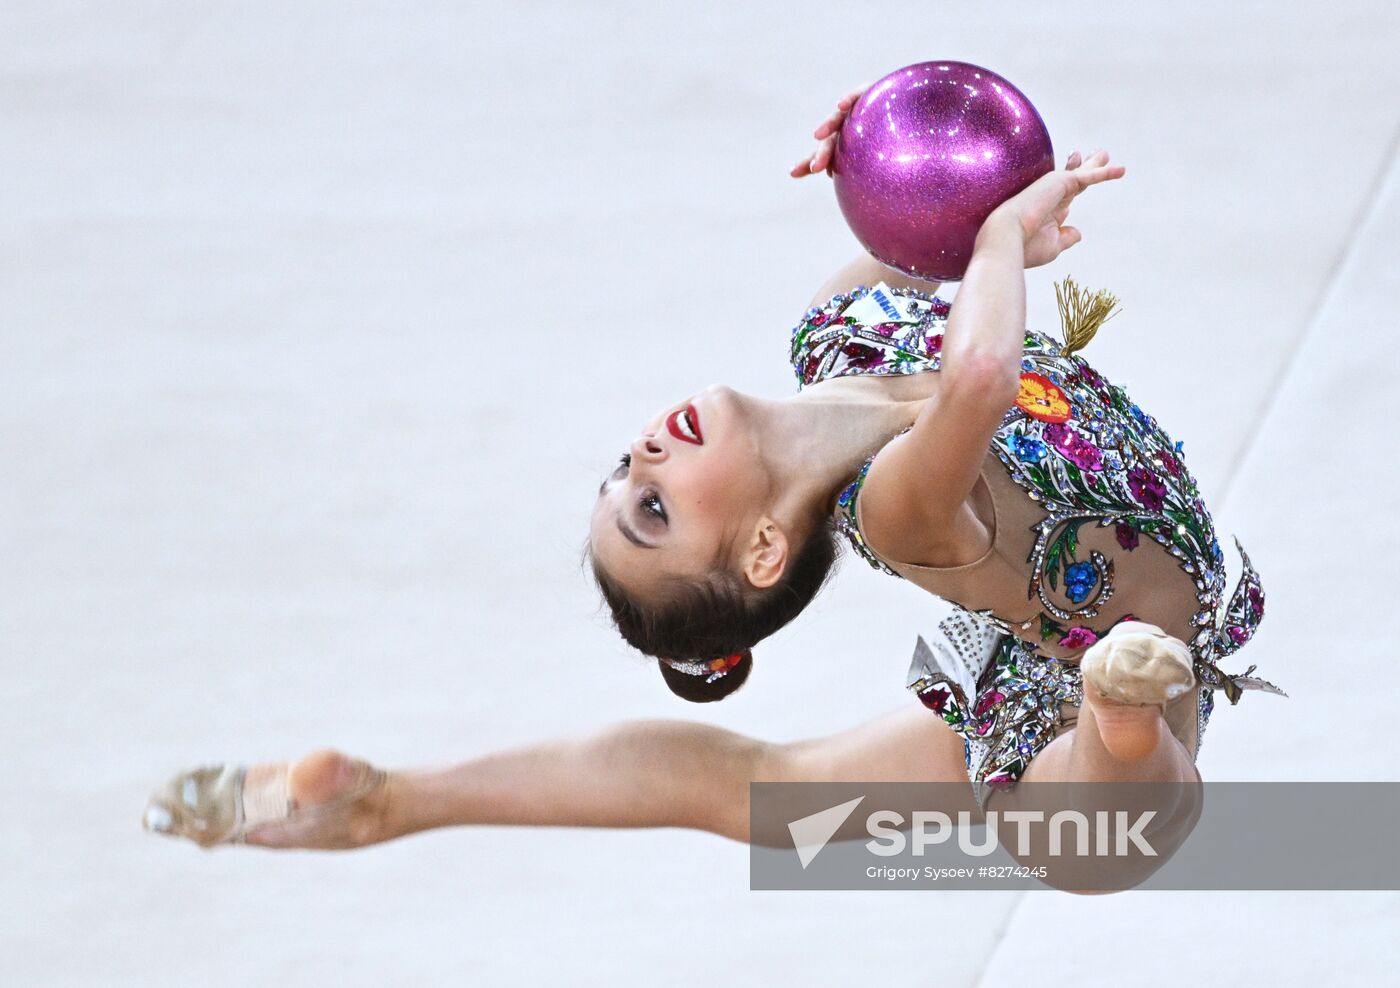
{"x": 649, "y": 502}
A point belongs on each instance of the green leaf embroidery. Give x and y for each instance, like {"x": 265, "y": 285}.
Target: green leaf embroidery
{"x": 1071, "y": 538}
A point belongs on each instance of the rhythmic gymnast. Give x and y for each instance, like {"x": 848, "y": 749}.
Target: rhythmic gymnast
{"x": 948, "y": 445}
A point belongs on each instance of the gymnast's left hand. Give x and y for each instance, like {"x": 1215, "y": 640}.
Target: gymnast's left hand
{"x": 820, "y": 159}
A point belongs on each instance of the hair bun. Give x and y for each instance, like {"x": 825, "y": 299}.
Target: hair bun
{"x": 705, "y": 682}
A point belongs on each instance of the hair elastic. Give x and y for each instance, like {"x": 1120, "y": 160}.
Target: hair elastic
{"x": 712, "y": 670}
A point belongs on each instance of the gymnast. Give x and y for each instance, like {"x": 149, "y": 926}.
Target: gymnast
{"x": 948, "y": 445}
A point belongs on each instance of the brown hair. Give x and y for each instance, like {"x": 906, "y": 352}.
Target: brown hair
{"x": 718, "y": 614}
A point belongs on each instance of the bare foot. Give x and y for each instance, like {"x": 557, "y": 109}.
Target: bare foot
{"x": 324, "y": 800}
{"x": 1130, "y": 675}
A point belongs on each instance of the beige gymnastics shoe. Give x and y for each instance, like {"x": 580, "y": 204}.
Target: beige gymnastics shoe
{"x": 222, "y": 804}
{"x": 1138, "y": 681}
{"x": 1139, "y": 664}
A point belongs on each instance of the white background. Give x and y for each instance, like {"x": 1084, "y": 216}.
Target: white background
{"x": 320, "y": 322}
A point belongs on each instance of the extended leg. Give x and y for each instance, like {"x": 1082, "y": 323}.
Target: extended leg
{"x": 1137, "y": 723}
{"x": 654, "y": 773}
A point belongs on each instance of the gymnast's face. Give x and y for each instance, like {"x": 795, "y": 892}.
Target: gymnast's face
{"x": 685, "y": 496}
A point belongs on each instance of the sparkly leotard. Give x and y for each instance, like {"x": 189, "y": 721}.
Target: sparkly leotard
{"x": 1097, "y": 520}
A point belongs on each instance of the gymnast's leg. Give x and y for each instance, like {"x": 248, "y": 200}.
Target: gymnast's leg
{"x": 1138, "y": 719}
{"x": 1134, "y": 744}
{"x": 649, "y": 773}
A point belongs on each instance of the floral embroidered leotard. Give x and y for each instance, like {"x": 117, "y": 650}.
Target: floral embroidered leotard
{"x": 1097, "y": 520}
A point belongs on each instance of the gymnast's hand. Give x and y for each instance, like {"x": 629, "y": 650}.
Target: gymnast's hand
{"x": 820, "y": 159}
{"x": 1039, "y": 211}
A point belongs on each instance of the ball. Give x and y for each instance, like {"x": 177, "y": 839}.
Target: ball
{"x": 924, "y": 157}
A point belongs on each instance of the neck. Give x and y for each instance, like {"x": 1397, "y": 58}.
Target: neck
{"x": 815, "y": 443}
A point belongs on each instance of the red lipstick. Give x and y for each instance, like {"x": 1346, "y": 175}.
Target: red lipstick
{"x": 684, "y": 424}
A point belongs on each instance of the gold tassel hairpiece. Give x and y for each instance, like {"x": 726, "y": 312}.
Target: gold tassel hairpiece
{"x": 1082, "y": 312}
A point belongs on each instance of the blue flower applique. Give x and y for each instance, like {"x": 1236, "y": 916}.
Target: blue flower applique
{"x": 1079, "y": 580}
{"x": 1028, "y": 450}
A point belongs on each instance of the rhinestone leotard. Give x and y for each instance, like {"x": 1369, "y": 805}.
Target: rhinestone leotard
{"x": 1097, "y": 518}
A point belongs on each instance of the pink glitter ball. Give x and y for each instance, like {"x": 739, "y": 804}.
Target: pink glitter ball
{"x": 925, "y": 156}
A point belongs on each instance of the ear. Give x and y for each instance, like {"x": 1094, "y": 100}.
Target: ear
{"x": 767, "y": 555}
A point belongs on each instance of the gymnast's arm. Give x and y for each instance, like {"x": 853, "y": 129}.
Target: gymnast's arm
{"x": 914, "y": 502}
{"x": 916, "y": 493}
{"x": 656, "y": 773}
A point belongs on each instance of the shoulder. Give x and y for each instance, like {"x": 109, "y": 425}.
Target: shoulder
{"x": 897, "y": 526}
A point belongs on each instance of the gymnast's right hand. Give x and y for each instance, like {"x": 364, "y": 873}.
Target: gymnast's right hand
{"x": 820, "y": 159}
{"x": 326, "y": 801}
